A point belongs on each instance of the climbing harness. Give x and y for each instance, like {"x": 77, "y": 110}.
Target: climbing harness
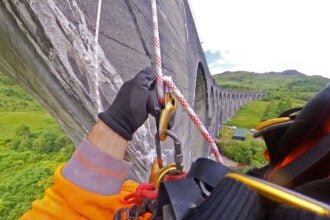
{"x": 163, "y": 81}
{"x": 232, "y": 196}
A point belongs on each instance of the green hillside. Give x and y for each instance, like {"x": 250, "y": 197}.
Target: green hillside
{"x": 285, "y": 90}
{"x": 31, "y": 146}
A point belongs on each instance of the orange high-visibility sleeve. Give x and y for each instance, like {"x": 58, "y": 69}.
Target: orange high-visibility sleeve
{"x": 65, "y": 200}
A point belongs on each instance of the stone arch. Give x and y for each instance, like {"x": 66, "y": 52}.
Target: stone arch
{"x": 212, "y": 110}
{"x": 259, "y": 96}
{"x": 225, "y": 106}
{"x": 220, "y": 107}
{"x": 242, "y": 99}
{"x": 227, "y": 113}
{"x": 236, "y": 106}
{"x": 232, "y": 104}
{"x": 215, "y": 113}
{"x": 213, "y": 100}
{"x": 199, "y": 146}
{"x": 250, "y": 97}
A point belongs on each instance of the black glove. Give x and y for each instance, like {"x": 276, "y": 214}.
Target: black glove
{"x": 135, "y": 99}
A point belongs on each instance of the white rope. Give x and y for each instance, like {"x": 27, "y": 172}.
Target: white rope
{"x": 208, "y": 138}
{"x": 169, "y": 83}
{"x": 97, "y": 27}
{"x": 158, "y": 59}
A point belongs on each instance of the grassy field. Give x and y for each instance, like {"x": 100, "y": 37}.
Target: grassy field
{"x": 31, "y": 146}
{"x": 285, "y": 90}
{"x": 249, "y": 115}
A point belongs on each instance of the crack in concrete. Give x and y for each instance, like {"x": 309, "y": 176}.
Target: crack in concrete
{"x": 109, "y": 37}
{"x": 138, "y": 30}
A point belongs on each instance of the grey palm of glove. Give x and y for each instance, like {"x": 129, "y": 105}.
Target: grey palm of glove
{"x": 134, "y": 101}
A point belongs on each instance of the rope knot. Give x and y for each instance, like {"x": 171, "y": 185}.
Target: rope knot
{"x": 143, "y": 191}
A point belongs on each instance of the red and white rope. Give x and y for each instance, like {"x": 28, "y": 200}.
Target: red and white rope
{"x": 158, "y": 59}
{"x": 172, "y": 87}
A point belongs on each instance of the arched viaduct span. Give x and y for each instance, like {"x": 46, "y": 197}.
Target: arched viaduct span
{"x": 48, "y": 47}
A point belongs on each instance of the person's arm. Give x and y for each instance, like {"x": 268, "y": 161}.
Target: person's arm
{"x": 102, "y": 136}
{"x": 93, "y": 182}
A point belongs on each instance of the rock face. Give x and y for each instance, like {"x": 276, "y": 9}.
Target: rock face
{"x": 49, "y": 48}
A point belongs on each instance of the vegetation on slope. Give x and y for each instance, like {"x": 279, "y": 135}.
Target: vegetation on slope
{"x": 249, "y": 153}
{"x": 31, "y": 146}
{"x": 285, "y": 90}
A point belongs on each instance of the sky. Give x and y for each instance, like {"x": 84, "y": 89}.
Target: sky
{"x": 264, "y": 35}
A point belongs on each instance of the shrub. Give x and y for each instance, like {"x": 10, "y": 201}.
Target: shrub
{"x": 46, "y": 142}
{"x": 249, "y": 152}
{"x": 22, "y": 140}
{"x": 22, "y": 130}
{"x": 274, "y": 109}
{"x": 51, "y": 141}
{"x": 9, "y": 92}
{"x": 42, "y": 142}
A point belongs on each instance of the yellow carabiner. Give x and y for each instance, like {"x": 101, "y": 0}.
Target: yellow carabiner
{"x": 162, "y": 172}
{"x": 166, "y": 115}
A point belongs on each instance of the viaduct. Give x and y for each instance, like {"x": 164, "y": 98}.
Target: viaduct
{"x": 49, "y": 48}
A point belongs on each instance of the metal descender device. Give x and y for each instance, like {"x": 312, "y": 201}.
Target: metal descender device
{"x": 165, "y": 123}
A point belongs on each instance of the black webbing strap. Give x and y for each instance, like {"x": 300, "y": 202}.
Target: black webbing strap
{"x": 289, "y": 112}
{"x": 288, "y": 173}
{"x": 180, "y": 194}
{"x": 208, "y": 171}
{"x": 186, "y": 193}
{"x": 230, "y": 200}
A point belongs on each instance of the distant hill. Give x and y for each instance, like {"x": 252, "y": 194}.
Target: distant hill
{"x": 288, "y": 83}
{"x": 285, "y": 89}
{"x": 284, "y": 73}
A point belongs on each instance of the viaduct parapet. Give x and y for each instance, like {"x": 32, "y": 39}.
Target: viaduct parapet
{"x": 49, "y": 48}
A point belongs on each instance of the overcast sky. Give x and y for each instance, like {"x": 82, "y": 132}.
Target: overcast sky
{"x": 265, "y": 35}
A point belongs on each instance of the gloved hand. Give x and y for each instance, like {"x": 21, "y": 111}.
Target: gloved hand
{"x": 135, "y": 100}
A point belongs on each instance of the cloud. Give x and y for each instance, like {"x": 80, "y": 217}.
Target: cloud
{"x": 263, "y": 36}
{"x": 218, "y": 62}
{"x": 212, "y": 57}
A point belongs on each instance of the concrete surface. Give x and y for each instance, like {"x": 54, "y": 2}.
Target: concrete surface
{"x": 48, "y": 47}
